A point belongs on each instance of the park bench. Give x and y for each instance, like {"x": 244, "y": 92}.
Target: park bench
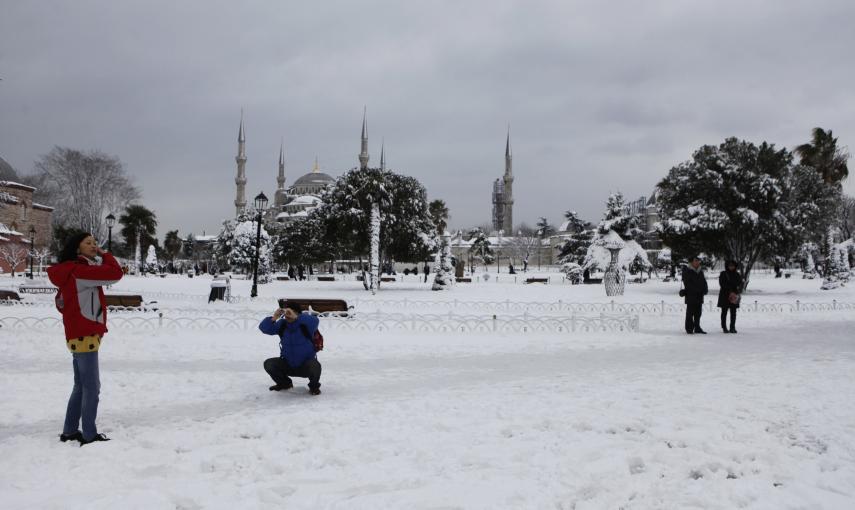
{"x": 388, "y": 279}
{"x": 537, "y": 280}
{"x": 129, "y": 301}
{"x": 125, "y": 300}
{"x": 9, "y": 295}
{"x": 282, "y": 278}
{"x": 464, "y": 279}
{"x": 322, "y": 306}
{"x": 36, "y": 289}
{"x": 326, "y": 278}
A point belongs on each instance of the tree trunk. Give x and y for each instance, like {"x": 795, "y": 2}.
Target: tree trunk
{"x": 375, "y": 247}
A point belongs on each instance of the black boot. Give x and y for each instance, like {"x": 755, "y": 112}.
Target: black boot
{"x": 77, "y": 436}
{"x": 282, "y": 387}
{"x": 98, "y": 437}
{"x": 733, "y": 329}
{"x": 724, "y": 329}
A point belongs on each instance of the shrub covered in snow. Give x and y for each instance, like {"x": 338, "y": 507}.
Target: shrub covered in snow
{"x": 742, "y": 202}
{"x": 573, "y": 272}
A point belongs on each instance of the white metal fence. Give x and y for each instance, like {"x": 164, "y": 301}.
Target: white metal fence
{"x": 368, "y": 322}
{"x": 362, "y": 306}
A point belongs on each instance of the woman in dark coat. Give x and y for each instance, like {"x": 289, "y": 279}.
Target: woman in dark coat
{"x": 729, "y": 294}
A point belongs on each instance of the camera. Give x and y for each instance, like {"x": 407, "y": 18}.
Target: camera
{"x": 282, "y": 303}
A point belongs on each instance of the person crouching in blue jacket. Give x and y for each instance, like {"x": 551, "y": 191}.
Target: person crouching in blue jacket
{"x": 297, "y": 352}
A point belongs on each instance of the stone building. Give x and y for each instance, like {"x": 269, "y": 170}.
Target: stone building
{"x": 503, "y": 195}
{"x": 19, "y": 215}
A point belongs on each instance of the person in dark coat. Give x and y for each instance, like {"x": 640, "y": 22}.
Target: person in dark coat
{"x": 729, "y": 293}
{"x": 694, "y": 290}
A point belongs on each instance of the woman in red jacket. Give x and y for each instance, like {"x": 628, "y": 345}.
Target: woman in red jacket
{"x": 82, "y": 270}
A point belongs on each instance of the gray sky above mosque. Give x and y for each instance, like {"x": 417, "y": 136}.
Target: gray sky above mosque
{"x": 600, "y": 96}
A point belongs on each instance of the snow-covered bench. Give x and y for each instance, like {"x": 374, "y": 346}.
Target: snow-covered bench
{"x": 464, "y": 279}
{"x": 326, "y": 278}
{"x": 36, "y": 289}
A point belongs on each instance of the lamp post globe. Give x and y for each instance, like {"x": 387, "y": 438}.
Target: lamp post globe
{"x": 260, "y": 205}
{"x": 32, "y": 249}
{"x": 111, "y": 220}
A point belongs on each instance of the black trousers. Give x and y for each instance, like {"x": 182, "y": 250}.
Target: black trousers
{"x": 693, "y": 317}
{"x": 279, "y": 370}
{"x": 724, "y": 310}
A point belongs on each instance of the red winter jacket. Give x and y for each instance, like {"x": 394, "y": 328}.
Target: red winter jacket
{"x": 81, "y": 298}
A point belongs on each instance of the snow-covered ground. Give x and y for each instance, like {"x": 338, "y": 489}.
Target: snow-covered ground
{"x": 654, "y": 419}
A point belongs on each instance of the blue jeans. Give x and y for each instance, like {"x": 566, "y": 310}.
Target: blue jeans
{"x": 84, "y": 396}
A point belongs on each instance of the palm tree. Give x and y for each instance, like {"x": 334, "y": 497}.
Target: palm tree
{"x": 138, "y": 219}
{"x": 439, "y": 214}
{"x": 823, "y": 155}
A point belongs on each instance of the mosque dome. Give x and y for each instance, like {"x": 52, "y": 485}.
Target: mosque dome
{"x": 314, "y": 179}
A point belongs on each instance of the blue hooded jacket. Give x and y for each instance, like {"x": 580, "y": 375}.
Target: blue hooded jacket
{"x": 295, "y": 347}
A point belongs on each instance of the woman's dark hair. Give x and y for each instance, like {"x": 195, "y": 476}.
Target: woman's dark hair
{"x": 294, "y": 306}
{"x": 69, "y": 250}
{"x": 731, "y": 263}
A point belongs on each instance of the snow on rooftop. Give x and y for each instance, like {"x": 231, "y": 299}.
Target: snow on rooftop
{"x": 12, "y": 184}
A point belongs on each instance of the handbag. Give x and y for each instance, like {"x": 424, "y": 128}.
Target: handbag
{"x": 734, "y": 298}
{"x": 682, "y": 292}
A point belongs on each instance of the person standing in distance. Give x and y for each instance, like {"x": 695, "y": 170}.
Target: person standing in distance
{"x": 729, "y": 294}
{"x": 695, "y": 288}
{"x": 82, "y": 271}
{"x": 297, "y": 357}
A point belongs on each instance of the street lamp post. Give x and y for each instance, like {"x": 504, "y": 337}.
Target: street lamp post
{"x": 32, "y": 249}
{"x": 260, "y": 205}
{"x": 111, "y": 220}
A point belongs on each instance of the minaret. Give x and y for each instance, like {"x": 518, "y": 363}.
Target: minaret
{"x": 363, "y": 155}
{"x": 508, "y": 221}
{"x": 279, "y": 198}
{"x": 383, "y": 155}
{"x": 240, "y": 180}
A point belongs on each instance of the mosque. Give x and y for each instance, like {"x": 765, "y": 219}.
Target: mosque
{"x": 292, "y": 203}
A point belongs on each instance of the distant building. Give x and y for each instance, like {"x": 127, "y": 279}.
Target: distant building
{"x": 295, "y": 202}
{"x": 18, "y": 216}
{"x": 503, "y": 195}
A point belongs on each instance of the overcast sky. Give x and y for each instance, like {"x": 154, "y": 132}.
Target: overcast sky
{"x": 600, "y": 96}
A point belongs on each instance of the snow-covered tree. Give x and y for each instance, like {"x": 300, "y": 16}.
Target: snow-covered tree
{"x": 13, "y": 255}
{"x": 740, "y": 202}
{"x": 480, "y": 247}
{"x": 838, "y": 272}
{"x": 807, "y": 255}
{"x": 242, "y": 250}
{"x": 151, "y": 259}
{"x": 42, "y": 254}
{"x": 407, "y": 231}
{"x": 575, "y": 247}
{"x": 617, "y": 220}
{"x": 632, "y": 257}
{"x": 444, "y": 275}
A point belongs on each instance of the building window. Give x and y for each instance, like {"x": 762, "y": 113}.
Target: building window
{"x": 23, "y": 211}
